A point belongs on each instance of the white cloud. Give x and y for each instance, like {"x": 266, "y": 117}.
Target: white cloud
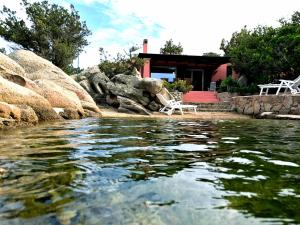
{"x": 201, "y": 25}
{"x": 198, "y": 25}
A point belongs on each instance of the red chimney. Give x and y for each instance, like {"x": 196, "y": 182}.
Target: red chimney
{"x": 145, "y": 46}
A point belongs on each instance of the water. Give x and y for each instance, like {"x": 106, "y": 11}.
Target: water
{"x": 118, "y": 171}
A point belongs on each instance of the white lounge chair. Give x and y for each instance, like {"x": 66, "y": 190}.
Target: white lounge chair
{"x": 169, "y": 106}
{"x": 292, "y": 85}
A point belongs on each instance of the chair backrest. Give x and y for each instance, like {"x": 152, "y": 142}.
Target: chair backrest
{"x": 167, "y": 95}
{"x": 213, "y": 86}
{"x": 296, "y": 83}
{"x": 163, "y": 100}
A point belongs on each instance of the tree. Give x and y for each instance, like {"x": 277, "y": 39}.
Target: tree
{"x": 123, "y": 63}
{"x": 171, "y": 49}
{"x": 211, "y": 54}
{"x": 3, "y": 51}
{"x": 50, "y": 31}
{"x": 71, "y": 70}
{"x": 266, "y": 53}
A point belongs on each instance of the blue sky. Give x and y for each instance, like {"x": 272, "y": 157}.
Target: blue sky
{"x": 198, "y": 25}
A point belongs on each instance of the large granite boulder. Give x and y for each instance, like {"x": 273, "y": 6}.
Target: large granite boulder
{"x": 128, "y": 86}
{"x": 153, "y": 86}
{"x": 27, "y": 115}
{"x": 125, "y": 92}
{"x": 10, "y": 70}
{"x": 9, "y": 111}
{"x": 129, "y": 106}
{"x": 126, "y": 105}
{"x": 37, "y": 68}
{"x": 32, "y": 89}
{"x": 58, "y": 96}
{"x": 94, "y": 81}
{"x": 12, "y": 93}
{"x": 9, "y": 66}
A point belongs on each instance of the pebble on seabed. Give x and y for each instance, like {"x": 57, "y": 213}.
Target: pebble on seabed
{"x": 2, "y": 170}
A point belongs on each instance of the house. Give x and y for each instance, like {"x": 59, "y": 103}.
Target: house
{"x": 199, "y": 71}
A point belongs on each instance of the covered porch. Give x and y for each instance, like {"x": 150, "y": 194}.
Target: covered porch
{"x": 196, "y": 70}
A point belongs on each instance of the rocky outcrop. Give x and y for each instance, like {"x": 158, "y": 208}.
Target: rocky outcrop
{"x": 58, "y": 96}
{"x": 15, "y": 94}
{"x": 128, "y": 93}
{"x": 37, "y": 68}
{"x": 32, "y": 89}
{"x": 129, "y": 106}
{"x": 10, "y": 67}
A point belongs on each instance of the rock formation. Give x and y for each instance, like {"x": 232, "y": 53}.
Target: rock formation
{"x": 32, "y": 89}
{"x": 127, "y": 93}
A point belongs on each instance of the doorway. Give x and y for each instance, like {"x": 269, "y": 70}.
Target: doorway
{"x": 197, "y": 79}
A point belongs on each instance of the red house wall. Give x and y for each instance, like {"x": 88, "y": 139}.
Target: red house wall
{"x": 221, "y": 73}
{"x": 146, "y": 69}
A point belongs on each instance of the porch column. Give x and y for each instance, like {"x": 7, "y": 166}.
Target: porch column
{"x": 146, "y": 68}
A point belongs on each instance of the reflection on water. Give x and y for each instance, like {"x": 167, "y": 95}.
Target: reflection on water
{"x": 117, "y": 171}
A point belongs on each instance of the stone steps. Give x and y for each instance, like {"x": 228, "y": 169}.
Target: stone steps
{"x": 201, "y": 97}
{"x": 214, "y": 107}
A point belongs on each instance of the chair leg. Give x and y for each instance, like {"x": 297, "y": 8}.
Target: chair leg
{"x": 181, "y": 110}
{"x": 170, "y": 112}
{"x": 279, "y": 88}
{"x": 162, "y": 109}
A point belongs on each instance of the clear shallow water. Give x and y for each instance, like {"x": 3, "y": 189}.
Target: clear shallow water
{"x": 118, "y": 171}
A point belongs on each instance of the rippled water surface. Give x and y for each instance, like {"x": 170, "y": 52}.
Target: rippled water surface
{"x": 119, "y": 171}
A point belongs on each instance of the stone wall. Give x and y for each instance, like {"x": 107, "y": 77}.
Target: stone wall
{"x": 256, "y": 104}
{"x": 226, "y": 96}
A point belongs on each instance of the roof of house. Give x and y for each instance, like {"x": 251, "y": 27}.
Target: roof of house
{"x": 179, "y": 59}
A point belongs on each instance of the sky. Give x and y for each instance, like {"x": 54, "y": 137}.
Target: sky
{"x": 199, "y": 25}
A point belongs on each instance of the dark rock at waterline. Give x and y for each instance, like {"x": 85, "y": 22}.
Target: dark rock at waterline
{"x": 28, "y": 115}
{"x": 131, "y": 106}
{"x": 70, "y": 114}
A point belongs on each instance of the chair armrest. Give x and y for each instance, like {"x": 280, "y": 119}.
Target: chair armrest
{"x": 287, "y": 81}
{"x": 174, "y": 101}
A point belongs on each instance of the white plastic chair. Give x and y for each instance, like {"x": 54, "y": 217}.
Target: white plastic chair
{"x": 169, "y": 106}
{"x": 292, "y": 85}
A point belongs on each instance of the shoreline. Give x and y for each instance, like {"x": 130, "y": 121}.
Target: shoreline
{"x": 8, "y": 124}
{"x": 113, "y": 113}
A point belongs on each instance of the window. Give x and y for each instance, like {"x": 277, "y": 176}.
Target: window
{"x": 164, "y": 76}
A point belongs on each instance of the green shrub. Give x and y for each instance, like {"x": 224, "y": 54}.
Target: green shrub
{"x": 178, "y": 85}
{"x": 122, "y": 63}
{"x": 231, "y": 85}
